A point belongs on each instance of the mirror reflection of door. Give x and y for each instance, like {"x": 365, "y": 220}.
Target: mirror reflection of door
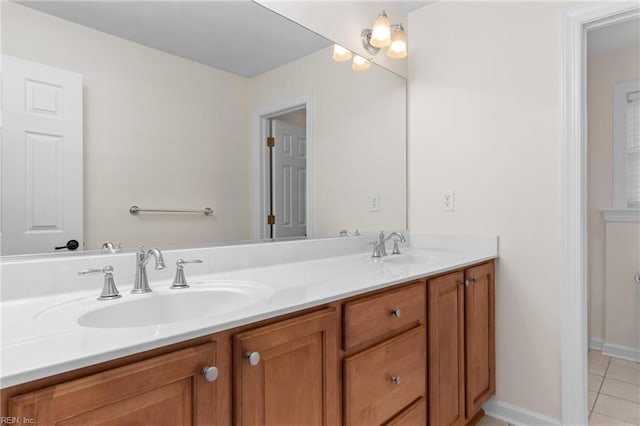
{"x": 288, "y": 181}
{"x": 42, "y": 200}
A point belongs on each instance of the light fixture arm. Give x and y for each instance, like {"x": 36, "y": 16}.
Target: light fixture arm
{"x": 365, "y": 36}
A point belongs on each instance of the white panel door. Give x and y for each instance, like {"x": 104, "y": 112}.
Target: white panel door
{"x": 41, "y": 157}
{"x": 289, "y": 181}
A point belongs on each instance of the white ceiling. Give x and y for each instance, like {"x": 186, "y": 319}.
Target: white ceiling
{"x": 238, "y": 36}
{"x": 618, "y": 36}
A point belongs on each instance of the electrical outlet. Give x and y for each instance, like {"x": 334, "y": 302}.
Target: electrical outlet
{"x": 448, "y": 201}
{"x": 374, "y": 203}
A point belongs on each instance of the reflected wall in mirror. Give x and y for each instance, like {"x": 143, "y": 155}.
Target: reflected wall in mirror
{"x": 175, "y": 100}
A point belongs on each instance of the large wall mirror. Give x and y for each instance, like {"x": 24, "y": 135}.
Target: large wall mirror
{"x": 170, "y": 106}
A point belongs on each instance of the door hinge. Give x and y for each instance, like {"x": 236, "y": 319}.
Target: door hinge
{"x": 271, "y": 142}
{"x": 271, "y": 219}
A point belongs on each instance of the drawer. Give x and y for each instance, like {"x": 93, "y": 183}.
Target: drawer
{"x": 371, "y": 395}
{"x": 374, "y": 316}
{"x": 415, "y": 414}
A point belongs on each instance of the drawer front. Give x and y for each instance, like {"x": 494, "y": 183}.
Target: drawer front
{"x": 375, "y": 316}
{"x": 371, "y": 394}
{"x": 414, "y": 415}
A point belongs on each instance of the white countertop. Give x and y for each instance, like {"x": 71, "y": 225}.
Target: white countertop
{"x": 41, "y": 335}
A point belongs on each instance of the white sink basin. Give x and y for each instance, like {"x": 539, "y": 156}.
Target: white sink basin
{"x": 420, "y": 257}
{"x": 170, "y": 306}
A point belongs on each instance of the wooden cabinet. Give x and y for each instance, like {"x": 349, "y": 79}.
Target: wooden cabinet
{"x": 479, "y": 323}
{"x": 461, "y": 344}
{"x": 382, "y": 314}
{"x": 294, "y": 379}
{"x": 166, "y": 390}
{"x": 446, "y": 349}
{"x": 418, "y": 351}
{"x": 382, "y": 382}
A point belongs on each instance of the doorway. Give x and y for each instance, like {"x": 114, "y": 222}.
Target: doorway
{"x": 284, "y": 181}
{"x": 574, "y": 292}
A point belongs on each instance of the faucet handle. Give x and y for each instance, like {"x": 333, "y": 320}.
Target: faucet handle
{"x": 109, "y": 289}
{"x": 376, "y": 249}
{"x": 180, "y": 281}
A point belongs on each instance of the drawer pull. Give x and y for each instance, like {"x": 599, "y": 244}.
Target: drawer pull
{"x": 396, "y": 380}
{"x": 396, "y": 313}
{"x": 253, "y": 358}
{"x": 210, "y": 374}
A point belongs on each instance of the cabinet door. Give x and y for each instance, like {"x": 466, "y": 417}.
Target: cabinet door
{"x": 446, "y": 349}
{"x": 166, "y": 390}
{"x": 479, "y": 302}
{"x": 294, "y": 382}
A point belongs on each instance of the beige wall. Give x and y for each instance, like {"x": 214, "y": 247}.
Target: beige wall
{"x": 342, "y": 21}
{"x": 485, "y": 120}
{"x": 159, "y": 132}
{"x": 622, "y": 293}
{"x": 359, "y": 131}
{"x": 604, "y": 70}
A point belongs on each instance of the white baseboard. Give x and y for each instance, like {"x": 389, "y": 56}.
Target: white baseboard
{"x": 624, "y": 352}
{"x": 596, "y": 343}
{"x": 517, "y": 416}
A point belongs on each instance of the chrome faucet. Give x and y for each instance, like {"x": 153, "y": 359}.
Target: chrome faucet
{"x": 399, "y": 239}
{"x": 380, "y": 248}
{"x": 141, "y": 284}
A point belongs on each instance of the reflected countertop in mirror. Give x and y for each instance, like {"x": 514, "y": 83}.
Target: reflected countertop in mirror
{"x": 176, "y": 101}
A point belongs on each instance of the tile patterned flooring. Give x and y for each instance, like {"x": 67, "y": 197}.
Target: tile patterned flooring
{"x": 614, "y": 391}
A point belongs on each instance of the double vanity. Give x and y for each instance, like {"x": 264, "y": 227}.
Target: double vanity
{"x": 312, "y": 332}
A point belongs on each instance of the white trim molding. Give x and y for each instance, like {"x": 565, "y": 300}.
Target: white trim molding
{"x": 574, "y": 212}
{"x": 623, "y": 352}
{"x": 516, "y": 415}
{"x": 622, "y": 215}
{"x": 596, "y": 343}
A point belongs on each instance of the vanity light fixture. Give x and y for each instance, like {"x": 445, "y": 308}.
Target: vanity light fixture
{"x": 384, "y": 34}
{"x": 381, "y": 31}
{"x": 398, "y": 47}
{"x": 340, "y": 54}
{"x": 360, "y": 63}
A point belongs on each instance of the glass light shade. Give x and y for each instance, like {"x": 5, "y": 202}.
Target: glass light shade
{"x": 340, "y": 54}
{"x": 398, "y": 47}
{"x": 381, "y": 31}
{"x": 360, "y": 63}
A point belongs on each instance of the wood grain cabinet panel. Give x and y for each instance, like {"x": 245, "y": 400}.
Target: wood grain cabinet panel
{"x": 413, "y": 415}
{"x": 461, "y": 344}
{"x": 446, "y": 350}
{"x": 296, "y": 380}
{"x": 479, "y": 307}
{"x": 381, "y": 381}
{"x": 166, "y": 390}
{"x": 381, "y": 314}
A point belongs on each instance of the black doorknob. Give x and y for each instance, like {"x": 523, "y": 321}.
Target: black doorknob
{"x": 71, "y": 245}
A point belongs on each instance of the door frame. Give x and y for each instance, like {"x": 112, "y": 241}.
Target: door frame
{"x": 260, "y": 187}
{"x": 574, "y": 235}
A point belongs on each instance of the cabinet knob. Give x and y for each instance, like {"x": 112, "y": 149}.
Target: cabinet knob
{"x": 210, "y": 374}
{"x": 396, "y": 313}
{"x": 396, "y": 380}
{"x": 253, "y": 358}
{"x": 474, "y": 279}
